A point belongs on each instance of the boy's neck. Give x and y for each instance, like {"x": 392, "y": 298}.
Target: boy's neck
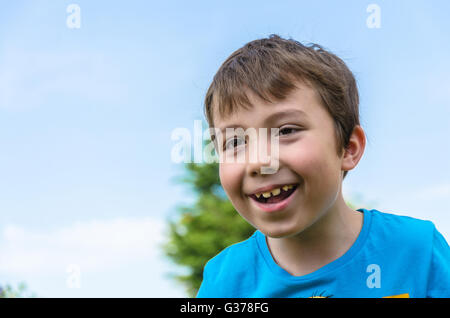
{"x": 323, "y": 242}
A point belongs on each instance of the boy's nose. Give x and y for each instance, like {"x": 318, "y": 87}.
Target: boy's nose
{"x": 263, "y": 156}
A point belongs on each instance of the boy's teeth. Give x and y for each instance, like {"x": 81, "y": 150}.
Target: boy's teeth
{"x": 274, "y": 192}
{"x": 266, "y": 194}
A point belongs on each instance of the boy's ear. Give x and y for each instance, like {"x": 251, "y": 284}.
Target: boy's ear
{"x": 355, "y": 149}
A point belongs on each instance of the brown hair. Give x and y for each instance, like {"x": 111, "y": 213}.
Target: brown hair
{"x": 269, "y": 67}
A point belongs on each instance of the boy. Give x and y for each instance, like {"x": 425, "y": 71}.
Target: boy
{"x": 308, "y": 242}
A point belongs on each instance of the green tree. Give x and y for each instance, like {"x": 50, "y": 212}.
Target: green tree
{"x": 204, "y": 229}
{"x": 7, "y": 291}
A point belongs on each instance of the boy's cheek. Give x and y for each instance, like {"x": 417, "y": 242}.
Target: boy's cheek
{"x": 319, "y": 172}
{"x": 303, "y": 161}
{"x": 229, "y": 178}
{"x": 307, "y": 157}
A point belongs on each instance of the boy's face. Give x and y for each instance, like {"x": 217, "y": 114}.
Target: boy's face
{"x": 307, "y": 157}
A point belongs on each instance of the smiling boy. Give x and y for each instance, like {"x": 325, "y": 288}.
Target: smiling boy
{"x": 307, "y": 240}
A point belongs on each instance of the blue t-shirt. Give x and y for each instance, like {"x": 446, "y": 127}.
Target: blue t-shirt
{"x": 393, "y": 256}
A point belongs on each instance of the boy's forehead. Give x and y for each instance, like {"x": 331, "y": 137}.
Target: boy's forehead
{"x": 261, "y": 118}
{"x": 299, "y": 104}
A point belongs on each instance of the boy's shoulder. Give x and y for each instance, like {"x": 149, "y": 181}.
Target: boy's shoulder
{"x": 401, "y": 229}
{"x": 243, "y": 251}
{"x": 227, "y": 273}
{"x": 398, "y": 219}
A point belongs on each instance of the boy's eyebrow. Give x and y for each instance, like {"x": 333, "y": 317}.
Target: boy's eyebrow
{"x": 273, "y": 117}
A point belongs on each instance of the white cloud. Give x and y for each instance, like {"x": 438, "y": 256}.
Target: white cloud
{"x": 119, "y": 257}
{"x": 94, "y": 246}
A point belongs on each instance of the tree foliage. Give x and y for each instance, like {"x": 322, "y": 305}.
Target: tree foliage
{"x": 8, "y": 291}
{"x": 204, "y": 229}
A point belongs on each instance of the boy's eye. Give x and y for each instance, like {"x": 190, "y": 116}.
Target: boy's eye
{"x": 238, "y": 141}
{"x": 287, "y": 130}
{"x": 234, "y": 142}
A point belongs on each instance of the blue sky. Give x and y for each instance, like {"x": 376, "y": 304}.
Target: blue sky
{"x": 86, "y": 117}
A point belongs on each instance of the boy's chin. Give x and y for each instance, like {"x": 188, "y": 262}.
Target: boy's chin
{"x": 280, "y": 232}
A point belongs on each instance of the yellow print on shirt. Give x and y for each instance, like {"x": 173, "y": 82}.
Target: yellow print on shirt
{"x": 398, "y": 296}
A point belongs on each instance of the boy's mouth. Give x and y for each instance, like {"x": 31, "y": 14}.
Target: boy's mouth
{"x": 276, "y": 199}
